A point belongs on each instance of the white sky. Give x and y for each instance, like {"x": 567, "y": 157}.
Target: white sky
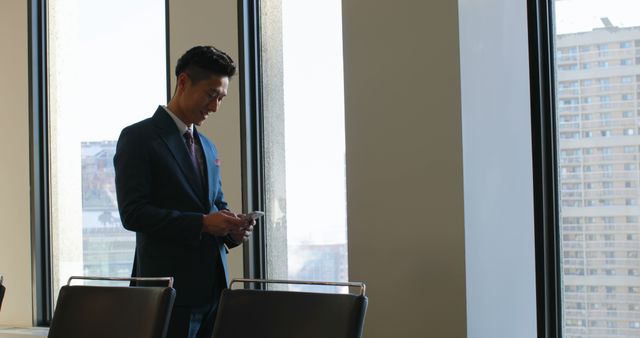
{"x": 314, "y": 121}
{"x": 109, "y": 65}
{"x": 584, "y": 15}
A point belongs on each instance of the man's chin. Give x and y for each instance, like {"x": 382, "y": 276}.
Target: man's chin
{"x": 203, "y": 117}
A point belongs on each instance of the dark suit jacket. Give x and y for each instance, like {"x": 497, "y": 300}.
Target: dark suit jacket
{"x": 161, "y": 199}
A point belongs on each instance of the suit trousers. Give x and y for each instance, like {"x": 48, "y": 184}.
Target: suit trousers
{"x": 189, "y": 322}
{"x": 195, "y": 322}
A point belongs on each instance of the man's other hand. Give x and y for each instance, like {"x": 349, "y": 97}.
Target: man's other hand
{"x": 245, "y": 231}
{"x": 224, "y": 223}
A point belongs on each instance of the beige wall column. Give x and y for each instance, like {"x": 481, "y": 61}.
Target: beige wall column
{"x": 15, "y": 220}
{"x": 404, "y": 165}
{"x": 206, "y": 22}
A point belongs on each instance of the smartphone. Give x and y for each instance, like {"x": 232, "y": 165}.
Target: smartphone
{"x": 254, "y": 215}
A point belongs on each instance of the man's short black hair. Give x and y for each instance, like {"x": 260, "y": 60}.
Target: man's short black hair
{"x": 201, "y": 62}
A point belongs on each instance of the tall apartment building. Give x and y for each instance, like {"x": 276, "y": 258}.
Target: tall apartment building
{"x": 598, "y": 124}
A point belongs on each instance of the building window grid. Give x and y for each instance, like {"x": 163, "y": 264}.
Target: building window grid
{"x": 580, "y": 317}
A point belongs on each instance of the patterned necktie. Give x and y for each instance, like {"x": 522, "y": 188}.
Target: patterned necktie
{"x": 191, "y": 146}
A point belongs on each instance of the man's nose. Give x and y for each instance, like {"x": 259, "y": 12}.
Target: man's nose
{"x": 213, "y": 106}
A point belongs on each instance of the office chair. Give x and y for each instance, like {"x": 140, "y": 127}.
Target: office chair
{"x": 113, "y": 311}
{"x": 2, "y": 290}
{"x": 246, "y": 313}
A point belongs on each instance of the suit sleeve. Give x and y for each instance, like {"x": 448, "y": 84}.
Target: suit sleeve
{"x": 219, "y": 201}
{"x": 221, "y": 204}
{"x": 133, "y": 188}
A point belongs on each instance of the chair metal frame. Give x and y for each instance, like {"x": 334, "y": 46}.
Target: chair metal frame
{"x": 162, "y": 296}
{"x": 361, "y": 285}
{"x": 169, "y": 280}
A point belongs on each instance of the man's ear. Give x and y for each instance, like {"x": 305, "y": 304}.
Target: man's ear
{"x": 183, "y": 79}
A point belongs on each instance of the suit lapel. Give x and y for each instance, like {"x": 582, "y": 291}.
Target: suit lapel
{"x": 206, "y": 154}
{"x": 172, "y": 138}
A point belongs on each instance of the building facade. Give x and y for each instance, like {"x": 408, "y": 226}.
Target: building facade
{"x": 597, "y": 76}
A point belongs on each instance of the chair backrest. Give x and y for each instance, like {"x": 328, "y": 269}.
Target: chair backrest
{"x": 287, "y": 314}
{"x": 112, "y": 311}
{"x": 2, "y": 289}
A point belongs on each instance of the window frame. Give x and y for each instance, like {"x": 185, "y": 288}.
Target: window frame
{"x": 39, "y": 156}
{"x": 252, "y": 131}
{"x": 253, "y": 153}
{"x": 39, "y": 168}
{"x": 545, "y": 181}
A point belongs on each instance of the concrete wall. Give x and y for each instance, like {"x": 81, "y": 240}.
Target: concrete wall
{"x": 404, "y": 165}
{"x": 15, "y": 227}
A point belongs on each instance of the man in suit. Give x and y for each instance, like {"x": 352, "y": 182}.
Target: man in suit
{"x": 169, "y": 192}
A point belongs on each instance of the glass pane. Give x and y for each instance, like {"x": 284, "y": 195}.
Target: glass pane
{"x": 107, "y": 69}
{"x": 597, "y": 71}
{"x": 304, "y": 140}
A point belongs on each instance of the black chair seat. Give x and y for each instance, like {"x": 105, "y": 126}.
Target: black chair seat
{"x": 110, "y": 312}
{"x": 285, "y": 314}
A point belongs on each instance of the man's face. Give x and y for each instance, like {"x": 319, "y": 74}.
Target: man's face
{"x": 202, "y": 98}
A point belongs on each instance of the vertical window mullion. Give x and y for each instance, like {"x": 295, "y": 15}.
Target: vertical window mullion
{"x": 251, "y": 133}
{"x": 544, "y": 172}
{"x": 39, "y": 159}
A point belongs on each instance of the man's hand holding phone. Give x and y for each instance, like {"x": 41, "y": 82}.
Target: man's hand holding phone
{"x": 254, "y": 215}
{"x": 246, "y": 231}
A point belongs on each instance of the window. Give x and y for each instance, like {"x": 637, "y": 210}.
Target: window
{"x": 603, "y": 50}
{"x": 568, "y": 67}
{"x": 568, "y": 85}
{"x": 89, "y": 60}
{"x": 626, "y": 62}
{"x": 303, "y": 168}
{"x": 613, "y": 263}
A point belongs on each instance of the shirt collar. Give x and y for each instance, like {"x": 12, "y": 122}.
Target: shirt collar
{"x": 182, "y": 127}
